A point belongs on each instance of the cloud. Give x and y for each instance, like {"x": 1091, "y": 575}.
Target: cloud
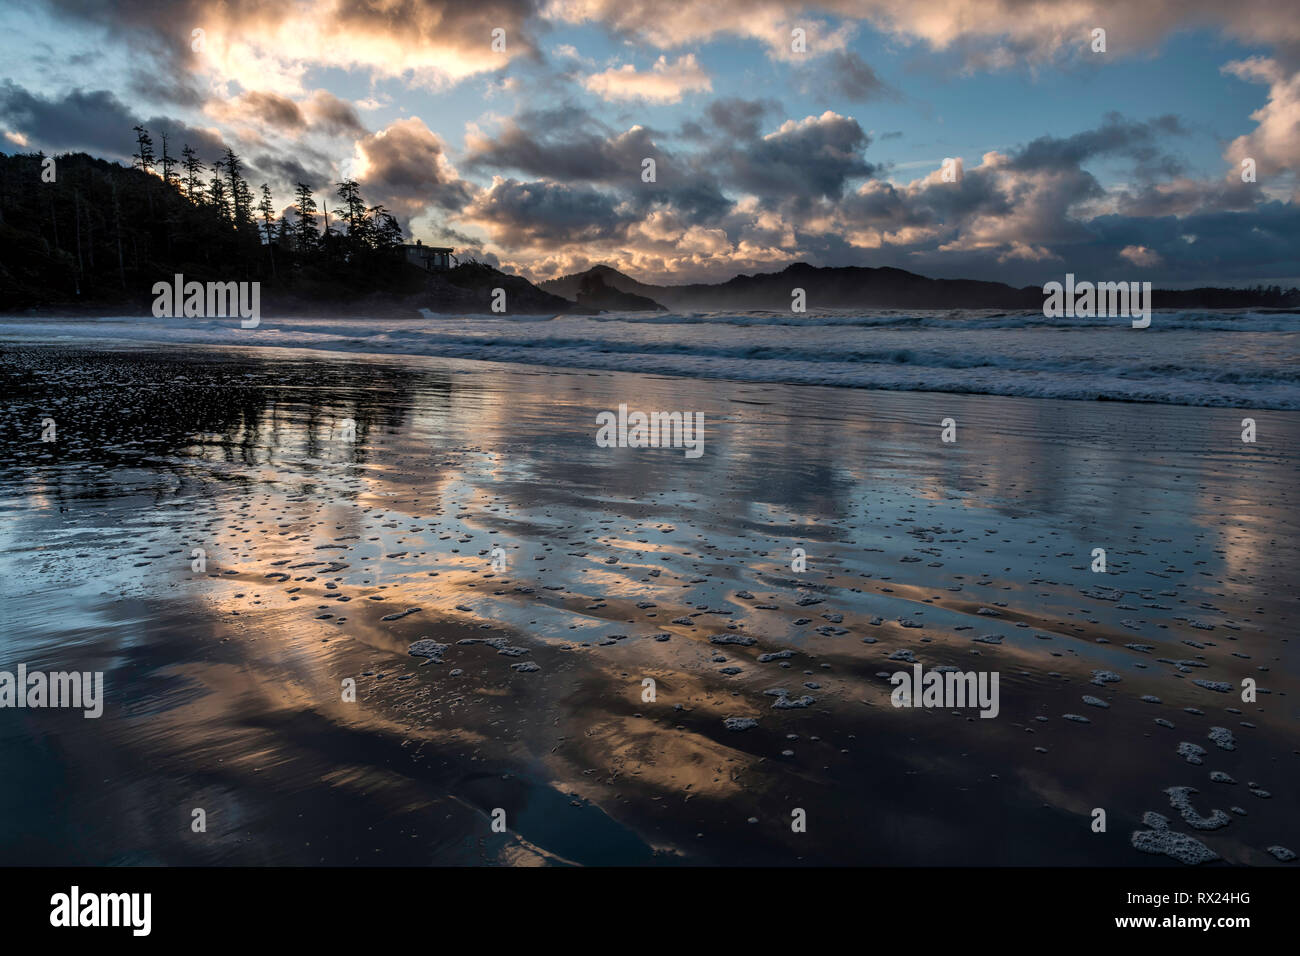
{"x": 1116, "y": 136}
{"x": 740, "y": 118}
{"x": 815, "y": 156}
{"x": 851, "y": 76}
{"x": 1275, "y": 143}
{"x": 272, "y": 46}
{"x": 987, "y": 34}
{"x": 564, "y": 144}
{"x": 332, "y": 115}
{"x": 672, "y": 25}
{"x": 1141, "y": 256}
{"x": 406, "y": 166}
{"x": 529, "y": 214}
{"x": 271, "y": 109}
{"x": 290, "y": 170}
{"x": 92, "y": 120}
{"x": 663, "y": 83}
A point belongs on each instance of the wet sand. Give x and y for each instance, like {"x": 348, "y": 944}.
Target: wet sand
{"x": 224, "y": 686}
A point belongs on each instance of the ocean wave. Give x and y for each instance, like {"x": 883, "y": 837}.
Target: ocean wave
{"x": 1252, "y": 321}
{"x": 1245, "y": 367}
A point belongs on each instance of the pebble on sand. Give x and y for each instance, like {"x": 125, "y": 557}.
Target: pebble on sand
{"x": 1223, "y": 738}
{"x": 733, "y": 639}
{"x": 400, "y": 614}
{"x": 1180, "y": 798}
{"x": 1160, "y": 839}
{"x": 427, "y": 648}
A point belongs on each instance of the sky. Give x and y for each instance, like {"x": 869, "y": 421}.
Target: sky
{"x": 517, "y": 131}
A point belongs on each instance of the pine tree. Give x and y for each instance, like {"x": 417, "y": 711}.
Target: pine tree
{"x": 305, "y": 231}
{"x": 243, "y": 204}
{"x": 354, "y": 214}
{"x": 168, "y": 164}
{"x": 217, "y": 198}
{"x": 241, "y": 197}
{"x": 193, "y": 167}
{"x": 143, "y": 157}
{"x": 267, "y": 208}
{"x": 384, "y": 229}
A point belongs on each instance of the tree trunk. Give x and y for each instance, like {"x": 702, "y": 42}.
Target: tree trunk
{"x": 117, "y": 220}
{"x": 76, "y": 208}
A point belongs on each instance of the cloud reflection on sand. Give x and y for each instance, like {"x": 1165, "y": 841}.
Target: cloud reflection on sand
{"x": 225, "y": 687}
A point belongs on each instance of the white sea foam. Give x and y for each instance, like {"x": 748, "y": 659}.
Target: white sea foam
{"x": 1241, "y": 359}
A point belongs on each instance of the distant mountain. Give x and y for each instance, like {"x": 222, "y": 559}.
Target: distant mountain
{"x": 862, "y": 287}
{"x": 848, "y": 287}
{"x": 471, "y": 287}
{"x": 594, "y": 293}
{"x": 569, "y": 286}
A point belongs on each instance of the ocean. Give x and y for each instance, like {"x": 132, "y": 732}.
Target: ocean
{"x": 1227, "y": 359}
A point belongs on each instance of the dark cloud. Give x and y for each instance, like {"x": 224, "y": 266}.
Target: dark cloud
{"x": 850, "y": 75}
{"x": 527, "y": 214}
{"x": 291, "y": 170}
{"x": 692, "y": 130}
{"x": 696, "y": 198}
{"x": 814, "y": 157}
{"x": 333, "y": 115}
{"x": 93, "y": 120}
{"x": 407, "y": 167}
{"x": 160, "y": 88}
{"x": 568, "y": 145}
{"x": 440, "y": 21}
{"x": 739, "y": 118}
{"x": 1141, "y": 141}
{"x": 274, "y": 110}
{"x": 1186, "y": 196}
{"x": 167, "y": 25}
{"x": 885, "y": 207}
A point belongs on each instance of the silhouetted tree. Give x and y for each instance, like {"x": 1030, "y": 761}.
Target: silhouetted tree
{"x": 354, "y": 214}
{"x": 217, "y": 198}
{"x": 267, "y": 208}
{"x": 241, "y": 197}
{"x": 168, "y": 164}
{"x": 106, "y": 232}
{"x": 194, "y": 169}
{"x": 305, "y": 233}
{"x": 144, "y": 158}
{"x": 385, "y": 232}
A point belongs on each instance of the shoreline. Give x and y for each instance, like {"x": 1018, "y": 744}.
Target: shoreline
{"x": 107, "y": 343}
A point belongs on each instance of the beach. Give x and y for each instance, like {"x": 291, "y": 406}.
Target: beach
{"x": 349, "y": 504}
